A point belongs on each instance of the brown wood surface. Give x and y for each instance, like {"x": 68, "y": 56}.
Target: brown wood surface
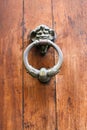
{"x": 25, "y": 103}
{"x": 70, "y": 19}
{"x": 39, "y": 99}
{"x": 10, "y": 65}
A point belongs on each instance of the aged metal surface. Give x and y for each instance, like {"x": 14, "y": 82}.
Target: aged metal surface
{"x": 39, "y": 109}
{"x": 43, "y": 74}
{"x": 25, "y": 103}
{"x": 40, "y": 33}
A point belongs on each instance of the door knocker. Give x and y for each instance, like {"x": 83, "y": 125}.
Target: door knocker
{"x": 43, "y": 38}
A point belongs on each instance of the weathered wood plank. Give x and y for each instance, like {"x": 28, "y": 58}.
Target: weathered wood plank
{"x": 10, "y": 65}
{"x": 70, "y": 18}
{"x": 39, "y": 99}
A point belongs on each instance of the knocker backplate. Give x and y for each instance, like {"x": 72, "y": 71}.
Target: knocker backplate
{"x": 42, "y": 32}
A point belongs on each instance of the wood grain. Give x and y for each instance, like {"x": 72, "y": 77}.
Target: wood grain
{"x": 39, "y": 99}
{"x": 25, "y": 103}
{"x": 10, "y": 65}
{"x": 70, "y": 22}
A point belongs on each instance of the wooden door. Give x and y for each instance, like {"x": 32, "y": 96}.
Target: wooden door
{"x": 25, "y": 103}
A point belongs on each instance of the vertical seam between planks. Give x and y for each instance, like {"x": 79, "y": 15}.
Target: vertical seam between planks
{"x": 22, "y": 65}
{"x": 52, "y": 14}
{"x": 54, "y": 62}
{"x": 56, "y": 106}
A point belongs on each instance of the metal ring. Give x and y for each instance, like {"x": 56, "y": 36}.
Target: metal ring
{"x": 43, "y": 74}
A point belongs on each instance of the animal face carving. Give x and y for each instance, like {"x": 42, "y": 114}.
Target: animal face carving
{"x": 42, "y": 32}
